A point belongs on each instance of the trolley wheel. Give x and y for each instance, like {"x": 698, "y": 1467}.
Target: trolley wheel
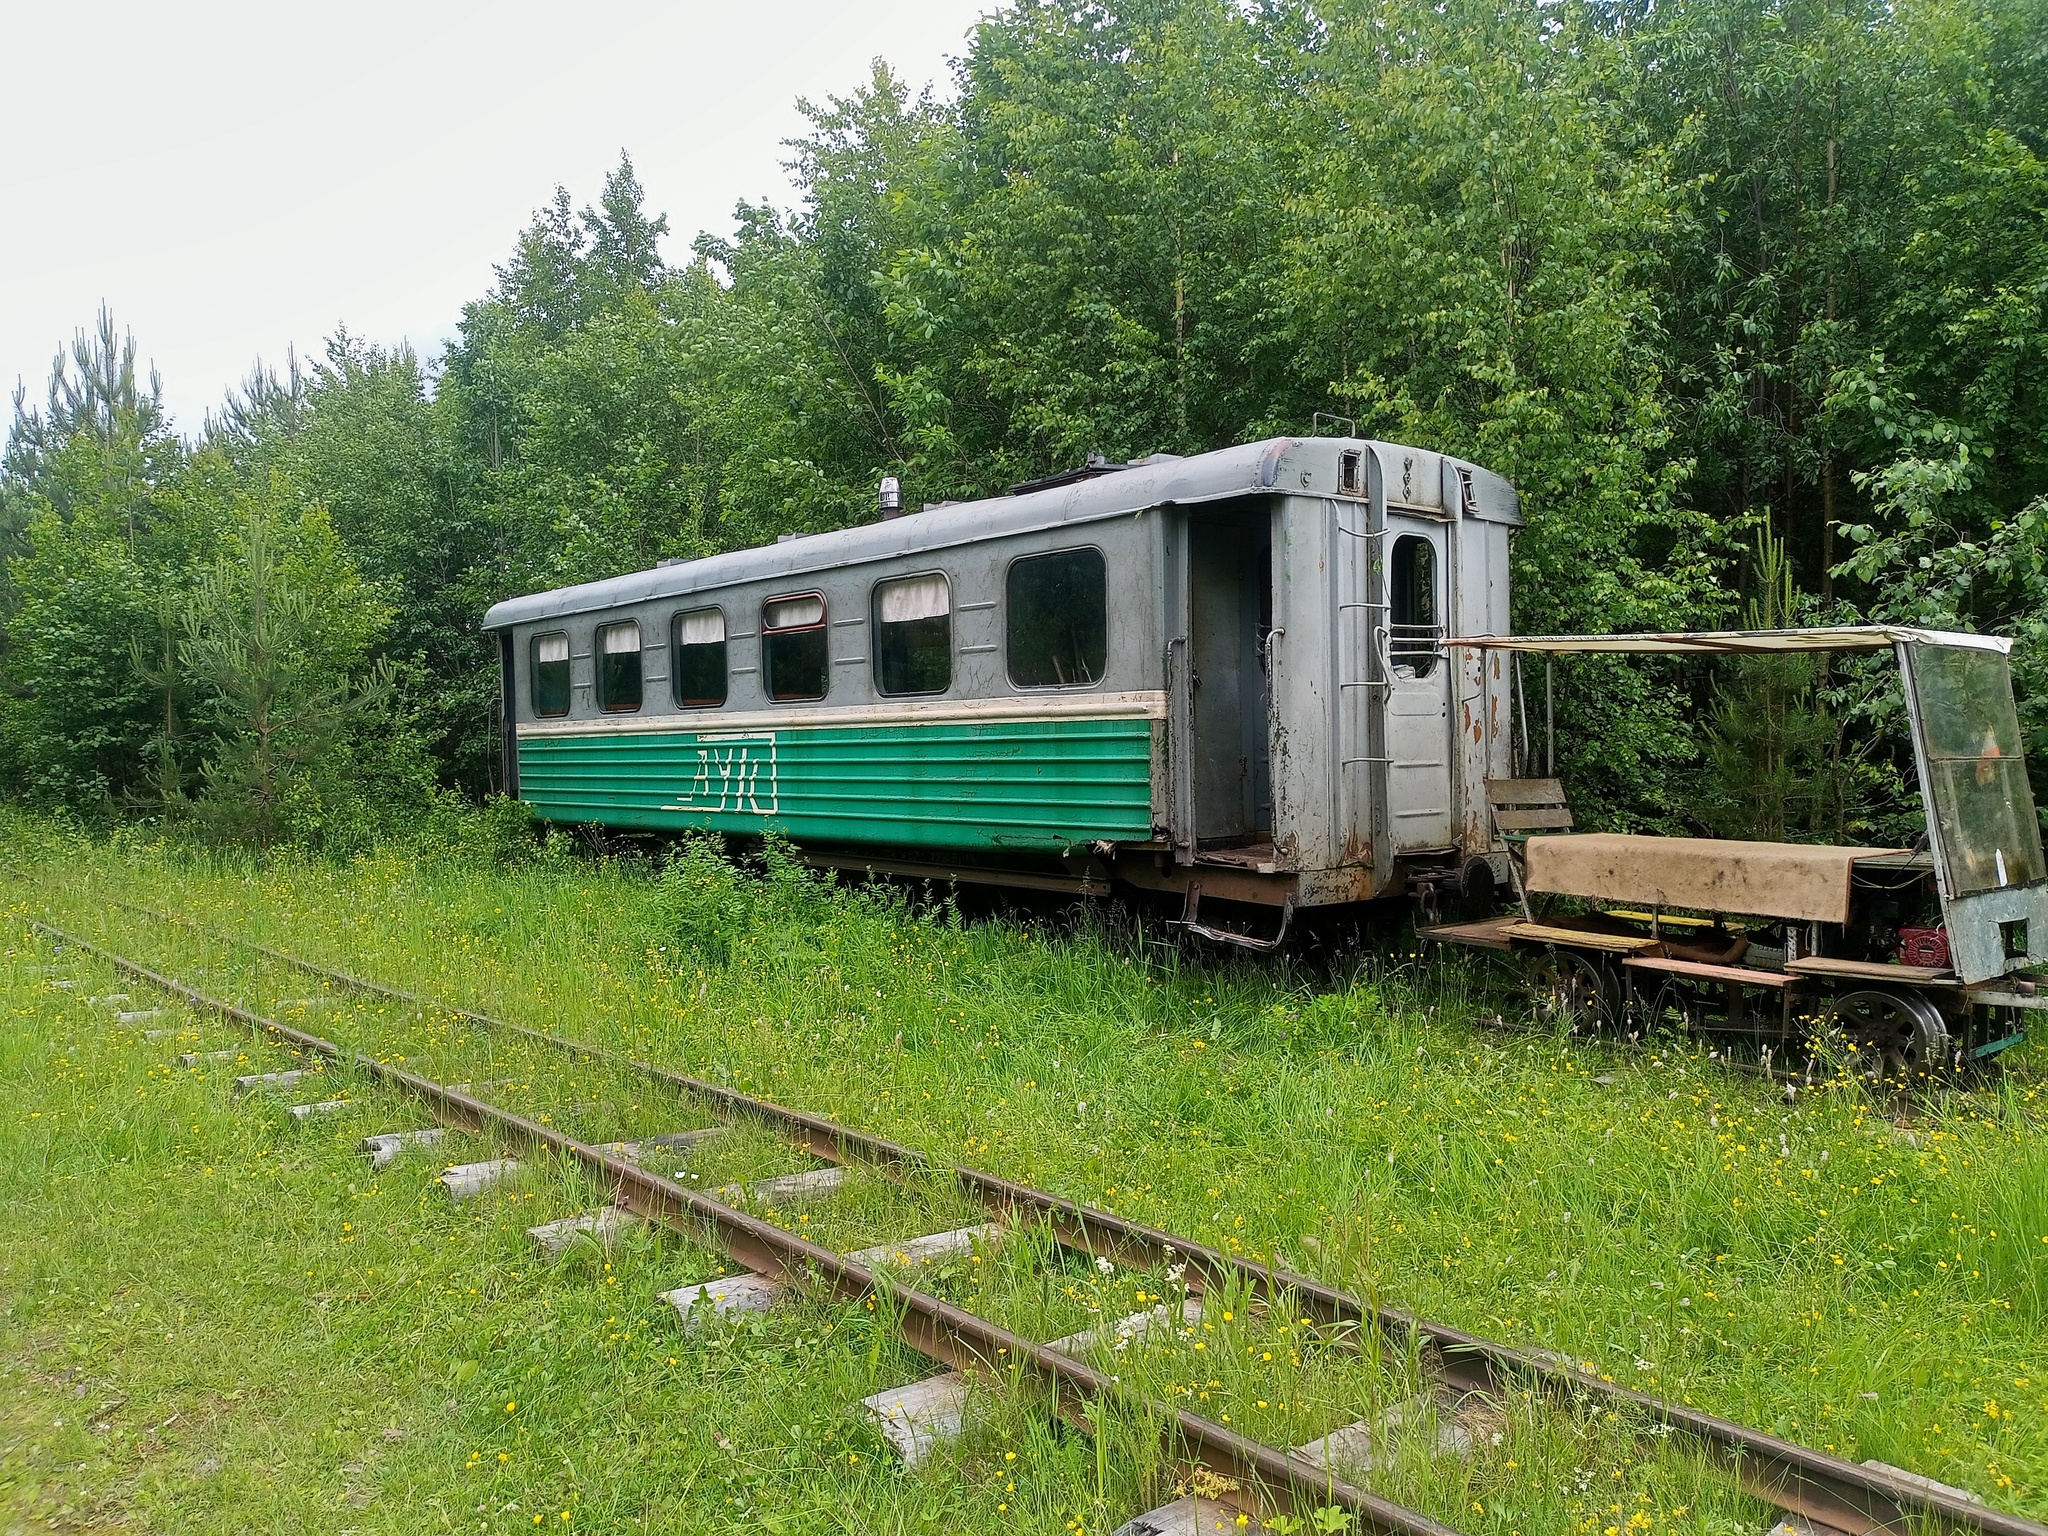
{"x": 1575, "y": 990}
{"x": 1674, "y": 1008}
{"x": 1480, "y": 896}
{"x": 1896, "y": 1036}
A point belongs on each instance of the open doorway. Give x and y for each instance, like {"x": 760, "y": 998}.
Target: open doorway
{"x": 1230, "y": 589}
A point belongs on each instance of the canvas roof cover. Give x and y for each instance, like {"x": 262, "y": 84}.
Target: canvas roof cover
{"x": 1736, "y": 642}
{"x": 1799, "y": 881}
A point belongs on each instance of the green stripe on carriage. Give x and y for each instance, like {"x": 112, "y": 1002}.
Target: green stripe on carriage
{"x": 1036, "y": 784}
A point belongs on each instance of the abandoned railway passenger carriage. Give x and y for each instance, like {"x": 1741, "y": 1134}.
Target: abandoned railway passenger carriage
{"x": 1222, "y": 674}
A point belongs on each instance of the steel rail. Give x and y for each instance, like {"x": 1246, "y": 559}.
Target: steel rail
{"x": 1858, "y": 1500}
{"x": 932, "y": 1326}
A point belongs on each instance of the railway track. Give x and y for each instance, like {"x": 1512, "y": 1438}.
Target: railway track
{"x": 1461, "y": 1372}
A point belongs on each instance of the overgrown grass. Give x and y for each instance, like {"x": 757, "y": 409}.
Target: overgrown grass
{"x": 1808, "y": 1267}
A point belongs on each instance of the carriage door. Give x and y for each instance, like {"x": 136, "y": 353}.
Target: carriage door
{"x": 1230, "y": 592}
{"x": 1419, "y": 686}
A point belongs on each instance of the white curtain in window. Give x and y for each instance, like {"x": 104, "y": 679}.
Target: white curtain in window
{"x": 621, "y": 639}
{"x": 794, "y": 612}
{"x": 915, "y": 597}
{"x": 704, "y": 627}
{"x": 551, "y": 648}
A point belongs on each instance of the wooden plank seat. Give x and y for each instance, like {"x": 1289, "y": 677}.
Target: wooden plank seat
{"x": 1873, "y": 970}
{"x": 1699, "y": 970}
{"x": 1667, "y": 919}
{"x": 1522, "y": 806}
{"x": 1578, "y": 938}
{"x": 1488, "y": 933}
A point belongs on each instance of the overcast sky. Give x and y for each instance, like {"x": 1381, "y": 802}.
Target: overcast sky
{"x": 233, "y": 178}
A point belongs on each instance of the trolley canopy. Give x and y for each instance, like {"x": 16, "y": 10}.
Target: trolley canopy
{"x": 1736, "y": 642}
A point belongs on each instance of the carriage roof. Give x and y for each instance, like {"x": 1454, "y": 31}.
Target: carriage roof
{"x": 1111, "y": 491}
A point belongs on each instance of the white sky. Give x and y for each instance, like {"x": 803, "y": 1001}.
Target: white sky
{"x": 235, "y": 177}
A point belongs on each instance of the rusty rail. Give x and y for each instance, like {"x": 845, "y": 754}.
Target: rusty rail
{"x": 1858, "y": 1500}
{"x": 932, "y": 1326}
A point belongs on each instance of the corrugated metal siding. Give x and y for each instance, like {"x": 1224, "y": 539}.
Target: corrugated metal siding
{"x": 1036, "y": 784}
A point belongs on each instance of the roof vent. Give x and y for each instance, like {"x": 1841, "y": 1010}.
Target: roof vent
{"x": 1098, "y": 464}
{"x": 889, "y": 497}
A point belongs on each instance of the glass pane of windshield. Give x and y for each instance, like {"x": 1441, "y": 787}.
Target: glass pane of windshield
{"x": 1966, "y": 702}
{"x": 1976, "y": 769}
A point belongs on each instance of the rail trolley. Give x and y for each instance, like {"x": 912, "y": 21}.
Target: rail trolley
{"x": 1913, "y": 958}
{"x": 1219, "y": 678}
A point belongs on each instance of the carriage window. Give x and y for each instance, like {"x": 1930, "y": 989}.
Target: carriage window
{"x": 1058, "y": 611}
{"x": 914, "y": 635}
{"x": 1412, "y": 624}
{"x": 697, "y": 669}
{"x": 550, "y": 674}
{"x": 793, "y": 646}
{"x": 618, "y": 666}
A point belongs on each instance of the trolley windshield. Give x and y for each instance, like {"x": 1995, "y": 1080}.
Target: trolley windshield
{"x": 1975, "y": 773}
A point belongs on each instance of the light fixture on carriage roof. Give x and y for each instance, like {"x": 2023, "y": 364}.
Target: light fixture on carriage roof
{"x": 890, "y": 497}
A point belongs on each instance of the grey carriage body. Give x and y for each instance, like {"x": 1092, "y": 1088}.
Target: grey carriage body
{"x": 1224, "y": 673}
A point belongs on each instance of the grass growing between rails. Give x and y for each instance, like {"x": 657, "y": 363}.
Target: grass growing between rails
{"x": 1810, "y": 1268}
{"x": 213, "y": 1318}
{"x": 1262, "y": 1371}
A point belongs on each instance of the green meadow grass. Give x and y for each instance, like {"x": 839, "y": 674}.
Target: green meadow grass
{"x": 1808, "y": 1267}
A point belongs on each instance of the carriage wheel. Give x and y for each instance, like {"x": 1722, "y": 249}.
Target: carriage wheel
{"x": 1897, "y": 1036}
{"x": 1575, "y": 990}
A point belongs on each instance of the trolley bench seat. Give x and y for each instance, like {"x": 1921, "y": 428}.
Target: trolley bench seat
{"x": 1487, "y": 933}
{"x": 1742, "y": 975}
{"x": 1874, "y": 970}
{"x": 1506, "y": 932}
{"x": 1580, "y": 938}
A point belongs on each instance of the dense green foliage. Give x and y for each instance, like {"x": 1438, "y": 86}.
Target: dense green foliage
{"x": 1683, "y": 273}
